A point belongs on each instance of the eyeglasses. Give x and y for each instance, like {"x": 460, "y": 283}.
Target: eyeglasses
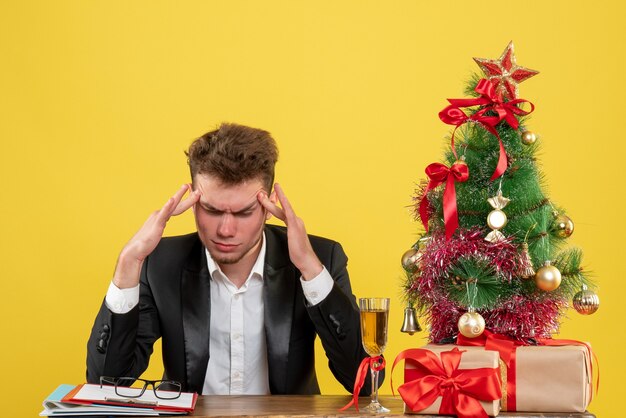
{"x": 130, "y": 387}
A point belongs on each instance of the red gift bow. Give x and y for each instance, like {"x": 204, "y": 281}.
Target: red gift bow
{"x": 461, "y": 390}
{"x": 375, "y": 363}
{"x": 507, "y": 347}
{"x": 453, "y": 115}
{"x": 438, "y": 174}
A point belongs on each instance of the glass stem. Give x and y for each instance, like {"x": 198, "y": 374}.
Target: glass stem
{"x": 374, "y": 393}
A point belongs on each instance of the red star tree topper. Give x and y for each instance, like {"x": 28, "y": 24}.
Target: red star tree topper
{"x": 504, "y": 72}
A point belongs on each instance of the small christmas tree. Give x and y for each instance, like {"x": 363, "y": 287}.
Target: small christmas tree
{"x": 492, "y": 255}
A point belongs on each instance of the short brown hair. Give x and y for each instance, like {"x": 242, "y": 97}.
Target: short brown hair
{"x": 234, "y": 153}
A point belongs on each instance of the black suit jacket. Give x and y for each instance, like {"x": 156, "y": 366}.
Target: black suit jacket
{"x": 175, "y": 301}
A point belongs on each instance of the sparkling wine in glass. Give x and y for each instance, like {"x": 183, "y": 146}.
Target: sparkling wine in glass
{"x": 374, "y": 318}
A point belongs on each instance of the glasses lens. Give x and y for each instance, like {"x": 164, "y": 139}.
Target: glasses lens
{"x": 129, "y": 387}
{"x": 167, "y": 389}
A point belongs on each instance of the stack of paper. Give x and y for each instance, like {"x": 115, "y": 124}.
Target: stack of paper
{"x": 88, "y": 399}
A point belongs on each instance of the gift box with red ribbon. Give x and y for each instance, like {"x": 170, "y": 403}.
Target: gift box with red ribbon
{"x": 553, "y": 376}
{"x": 549, "y": 379}
{"x": 448, "y": 381}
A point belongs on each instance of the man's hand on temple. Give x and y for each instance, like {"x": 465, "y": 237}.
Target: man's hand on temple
{"x": 146, "y": 239}
{"x": 300, "y": 251}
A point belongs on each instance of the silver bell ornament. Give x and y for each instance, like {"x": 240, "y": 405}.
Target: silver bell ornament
{"x": 410, "y": 324}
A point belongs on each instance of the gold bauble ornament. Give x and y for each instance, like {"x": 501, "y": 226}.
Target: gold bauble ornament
{"x": 461, "y": 160}
{"x": 528, "y": 137}
{"x": 563, "y": 226}
{"x": 471, "y": 324}
{"x": 548, "y": 277}
{"x": 410, "y": 259}
{"x": 586, "y": 301}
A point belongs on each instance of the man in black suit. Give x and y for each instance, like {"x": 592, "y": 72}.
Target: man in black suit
{"x": 238, "y": 303}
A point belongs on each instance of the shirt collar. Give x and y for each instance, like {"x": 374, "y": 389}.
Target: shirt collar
{"x": 257, "y": 268}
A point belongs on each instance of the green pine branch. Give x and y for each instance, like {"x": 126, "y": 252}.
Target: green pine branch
{"x": 572, "y": 276}
{"x": 473, "y": 281}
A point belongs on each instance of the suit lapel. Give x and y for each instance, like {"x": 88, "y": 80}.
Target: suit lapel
{"x": 196, "y": 307}
{"x": 278, "y": 299}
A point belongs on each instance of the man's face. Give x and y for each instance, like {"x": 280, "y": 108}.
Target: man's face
{"x": 229, "y": 218}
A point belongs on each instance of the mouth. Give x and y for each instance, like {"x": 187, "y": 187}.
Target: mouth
{"x": 224, "y": 247}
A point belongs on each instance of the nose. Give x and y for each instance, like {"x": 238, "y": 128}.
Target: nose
{"x": 226, "y": 227}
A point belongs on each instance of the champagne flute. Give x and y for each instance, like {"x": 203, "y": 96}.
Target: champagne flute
{"x": 374, "y": 318}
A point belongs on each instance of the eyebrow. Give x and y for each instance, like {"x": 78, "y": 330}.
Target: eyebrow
{"x": 245, "y": 209}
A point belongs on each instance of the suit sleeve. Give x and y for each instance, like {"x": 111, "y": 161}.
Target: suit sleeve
{"x": 121, "y": 344}
{"x": 337, "y": 322}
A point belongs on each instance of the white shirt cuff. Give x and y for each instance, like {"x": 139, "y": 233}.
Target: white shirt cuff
{"x": 316, "y": 289}
{"x": 121, "y": 301}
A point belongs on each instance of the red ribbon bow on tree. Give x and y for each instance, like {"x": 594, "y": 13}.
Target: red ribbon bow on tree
{"x": 375, "y": 363}
{"x": 438, "y": 174}
{"x": 491, "y": 101}
{"x": 461, "y": 390}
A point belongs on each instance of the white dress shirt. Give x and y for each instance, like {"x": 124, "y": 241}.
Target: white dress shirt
{"x": 237, "y": 347}
{"x": 237, "y": 353}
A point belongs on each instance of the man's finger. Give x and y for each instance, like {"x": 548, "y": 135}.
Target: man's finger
{"x": 183, "y": 205}
{"x": 164, "y": 213}
{"x": 178, "y": 196}
{"x": 170, "y": 206}
{"x": 289, "y": 212}
{"x": 271, "y": 207}
{"x": 181, "y": 192}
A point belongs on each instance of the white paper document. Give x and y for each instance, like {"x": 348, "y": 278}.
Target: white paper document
{"x": 94, "y": 393}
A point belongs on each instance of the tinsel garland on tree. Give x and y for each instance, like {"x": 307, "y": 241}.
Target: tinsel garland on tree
{"x": 504, "y": 258}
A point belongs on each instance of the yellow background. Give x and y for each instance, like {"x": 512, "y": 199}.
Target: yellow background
{"x": 99, "y": 100}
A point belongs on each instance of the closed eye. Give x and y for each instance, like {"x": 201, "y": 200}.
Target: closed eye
{"x": 213, "y": 212}
{"x": 244, "y": 214}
